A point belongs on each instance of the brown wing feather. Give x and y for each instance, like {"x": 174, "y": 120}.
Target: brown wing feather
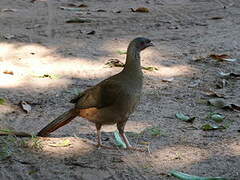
{"x": 101, "y": 95}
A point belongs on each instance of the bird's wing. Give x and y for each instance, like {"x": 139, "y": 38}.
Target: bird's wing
{"x": 99, "y": 96}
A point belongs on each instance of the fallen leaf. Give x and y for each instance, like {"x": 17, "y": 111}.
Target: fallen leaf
{"x": 8, "y": 36}
{"x": 118, "y": 140}
{"x": 91, "y": 32}
{"x": 217, "y": 102}
{"x": 222, "y": 57}
{"x": 150, "y": 68}
{"x": 8, "y": 10}
{"x": 6, "y": 130}
{"x": 144, "y": 143}
{"x": 222, "y": 103}
{"x": 229, "y": 75}
{"x": 114, "y": 63}
{"x": 2, "y": 101}
{"x": 234, "y": 107}
{"x": 101, "y": 10}
{"x": 79, "y": 21}
{"x": 141, "y": 9}
{"x": 70, "y": 8}
{"x": 209, "y": 127}
{"x": 8, "y": 72}
{"x": 121, "y": 52}
{"x": 212, "y": 93}
{"x": 52, "y": 76}
{"x": 185, "y": 118}
{"x": 25, "y": 106}
{"x": 217, "y": 117}
{"x": 184, "y": 176}
{"x": 216, "y": 18}
{"x": 83, "y": 6}
{"x": 63, "y": 143}
{"x": 167, "y": 79}
{"x": 154, "y": 131}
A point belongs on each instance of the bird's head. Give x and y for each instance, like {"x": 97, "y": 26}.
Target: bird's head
{"x": 141, "y": 43}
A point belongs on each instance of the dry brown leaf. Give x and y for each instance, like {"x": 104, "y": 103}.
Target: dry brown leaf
{"x": 141, "y": 9}
{"x": 83, "y": 6}
{"x": 222, "y": 103}
{"x": 222, "y": 57}
{"x": 212, "y": 93}
{"x": 8, "y": 72}
{"x": 114, "y": 63}
{"x": 101, "y": 10}
{"x": 167, "y": 79}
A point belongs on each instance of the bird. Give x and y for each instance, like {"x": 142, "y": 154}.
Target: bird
{"x": 112, "y": 100}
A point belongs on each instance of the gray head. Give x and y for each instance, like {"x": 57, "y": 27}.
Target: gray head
{"x": 141, "y": 43}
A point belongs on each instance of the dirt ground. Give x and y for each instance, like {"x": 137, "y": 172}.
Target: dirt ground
{"x": 35, "y": 40}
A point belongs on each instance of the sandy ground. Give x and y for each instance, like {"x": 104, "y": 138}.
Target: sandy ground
{"x": 35, "y": 40}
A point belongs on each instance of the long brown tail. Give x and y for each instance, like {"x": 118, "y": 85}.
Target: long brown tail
{"x": 58, "y": 122}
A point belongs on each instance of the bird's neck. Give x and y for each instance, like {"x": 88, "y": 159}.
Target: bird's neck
{"x": 133, "y": 63}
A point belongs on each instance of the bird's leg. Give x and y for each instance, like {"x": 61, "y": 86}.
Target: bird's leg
{"x": 99, "y": 141}
{"x": 120, "y": 127}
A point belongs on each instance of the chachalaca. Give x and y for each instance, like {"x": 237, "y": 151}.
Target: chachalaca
{"x": 112, "y": 100}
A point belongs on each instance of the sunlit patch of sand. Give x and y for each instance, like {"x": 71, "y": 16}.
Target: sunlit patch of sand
{"x": 168, "y": 158}
{"x": 235, "y": 148}
{"x": 29, "y": 62}
{"x": 76, "y": 147}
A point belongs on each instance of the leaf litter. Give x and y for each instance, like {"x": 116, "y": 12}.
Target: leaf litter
{"x": 117, "y": 63}
{"x": 222, "y": 57}
{"x": 185, "y": 118}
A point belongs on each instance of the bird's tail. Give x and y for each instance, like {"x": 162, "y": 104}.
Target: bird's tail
{"x": 58, "y": 122}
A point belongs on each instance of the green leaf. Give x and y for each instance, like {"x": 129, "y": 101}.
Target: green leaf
{"x": 150, "y": 68}
{"x": 154, "y": 131}
{"x": 118, "y": 140}
{"x": 184, "y": 176}
{"x": 209, "y": 127}
{"x": 63, "y": 143}
{"x": 2, "y": 101}
{"x": 121, "y": 52}
{"x": 217, "y": 117}
{"x": 185, "y": 118}
{"x": 6, "y": 130}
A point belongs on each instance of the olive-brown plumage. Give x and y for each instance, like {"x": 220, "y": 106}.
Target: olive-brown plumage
{"x": 112, "y": 100}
